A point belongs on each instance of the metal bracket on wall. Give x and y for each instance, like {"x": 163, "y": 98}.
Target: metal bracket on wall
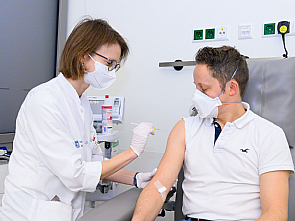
{"x": 177, "y": 64}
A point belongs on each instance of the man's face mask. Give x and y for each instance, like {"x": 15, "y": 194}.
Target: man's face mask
{"x": 206, "y": 106}
{"x": 101, "y": 78}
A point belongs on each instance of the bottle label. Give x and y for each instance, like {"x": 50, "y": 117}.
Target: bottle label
{"x": 107, "y": 119}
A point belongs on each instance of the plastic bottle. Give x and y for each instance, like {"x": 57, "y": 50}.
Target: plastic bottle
{"x": 107, "y": 116}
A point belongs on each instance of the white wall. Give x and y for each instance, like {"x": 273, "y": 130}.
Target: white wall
{"x": 161, "y": 30}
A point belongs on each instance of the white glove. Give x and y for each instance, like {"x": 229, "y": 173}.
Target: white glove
{"x": 142, "y": 179}
{"x": 140, "y": 137}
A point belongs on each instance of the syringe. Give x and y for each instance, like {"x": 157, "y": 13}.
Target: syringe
{"x": 153, "y": 127}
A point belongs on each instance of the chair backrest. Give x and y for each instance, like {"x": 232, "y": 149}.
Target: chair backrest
{"x": 271, "y": 92}
{"x": 271, "y": 95}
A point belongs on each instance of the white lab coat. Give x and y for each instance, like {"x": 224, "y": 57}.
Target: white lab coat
{"x": 51, "y": 156}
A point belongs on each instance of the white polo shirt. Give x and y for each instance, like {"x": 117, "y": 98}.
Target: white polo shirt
{"x": 221, "y": 181}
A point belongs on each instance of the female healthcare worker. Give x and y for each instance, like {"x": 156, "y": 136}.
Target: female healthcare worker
{"x": 50, "y": 169}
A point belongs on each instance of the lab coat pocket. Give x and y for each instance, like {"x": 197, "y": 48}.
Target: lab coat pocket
{"x": 53, "y": 210}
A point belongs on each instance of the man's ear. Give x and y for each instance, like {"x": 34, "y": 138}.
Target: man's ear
{"x": 234, "y": 88}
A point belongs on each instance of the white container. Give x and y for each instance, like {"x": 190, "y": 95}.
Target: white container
{"x": 107, "y": 115}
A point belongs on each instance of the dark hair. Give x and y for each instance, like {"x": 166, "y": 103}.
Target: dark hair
{"x": 89, "y": 35}
{"x": 223, "y": 62}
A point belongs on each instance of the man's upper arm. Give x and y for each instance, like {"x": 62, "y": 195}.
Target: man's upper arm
{"x": 150, "y": 200}
{"x": 274, "y": 191}
{"x": 173, "y": 157}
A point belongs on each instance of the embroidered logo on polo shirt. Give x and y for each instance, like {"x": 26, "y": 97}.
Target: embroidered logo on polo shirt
{"x": 245, "y": 150}
{"x": 77, "y": 144}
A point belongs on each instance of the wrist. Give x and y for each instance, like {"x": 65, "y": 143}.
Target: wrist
{"x": 135, "y": 180}
{"x": 134, "y": 152}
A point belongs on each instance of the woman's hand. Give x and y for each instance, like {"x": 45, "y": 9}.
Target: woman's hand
{"x": 140, "y": 137}
{"x": 142, "y": 179}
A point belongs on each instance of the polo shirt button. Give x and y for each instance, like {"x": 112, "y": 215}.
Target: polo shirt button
{"x": 81, "y": 110}
{"x": 86, "y": 142}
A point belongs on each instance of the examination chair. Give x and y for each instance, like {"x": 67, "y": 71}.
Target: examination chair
{"x": 271, "y": 94}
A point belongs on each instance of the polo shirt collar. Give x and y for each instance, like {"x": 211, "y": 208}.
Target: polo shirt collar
{"x": 240, "y": 122}
{"x": 208, "y": 121}
{"x": 246, "y": 118}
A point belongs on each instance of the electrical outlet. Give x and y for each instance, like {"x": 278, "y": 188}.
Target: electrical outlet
{"x": 269, "y": 29}
{"x": 245, "y": 31}
{"x": 198, "y": 35}
{"x": 210, "y": 33}
{"x": 221, "y": 33}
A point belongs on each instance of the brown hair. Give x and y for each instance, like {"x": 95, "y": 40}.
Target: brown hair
{"x": 223, "y": 62}
{"x": 88, "y": 35}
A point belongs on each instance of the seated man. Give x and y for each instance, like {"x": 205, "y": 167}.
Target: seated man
{"x": 236, "y": 164}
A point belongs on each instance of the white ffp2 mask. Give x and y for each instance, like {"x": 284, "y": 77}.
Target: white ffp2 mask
{"x": 101, "y": 78}
{"x": 206, "y": 106}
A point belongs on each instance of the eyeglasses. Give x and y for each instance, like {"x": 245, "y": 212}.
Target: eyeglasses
{"x": 113, "y": 65}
